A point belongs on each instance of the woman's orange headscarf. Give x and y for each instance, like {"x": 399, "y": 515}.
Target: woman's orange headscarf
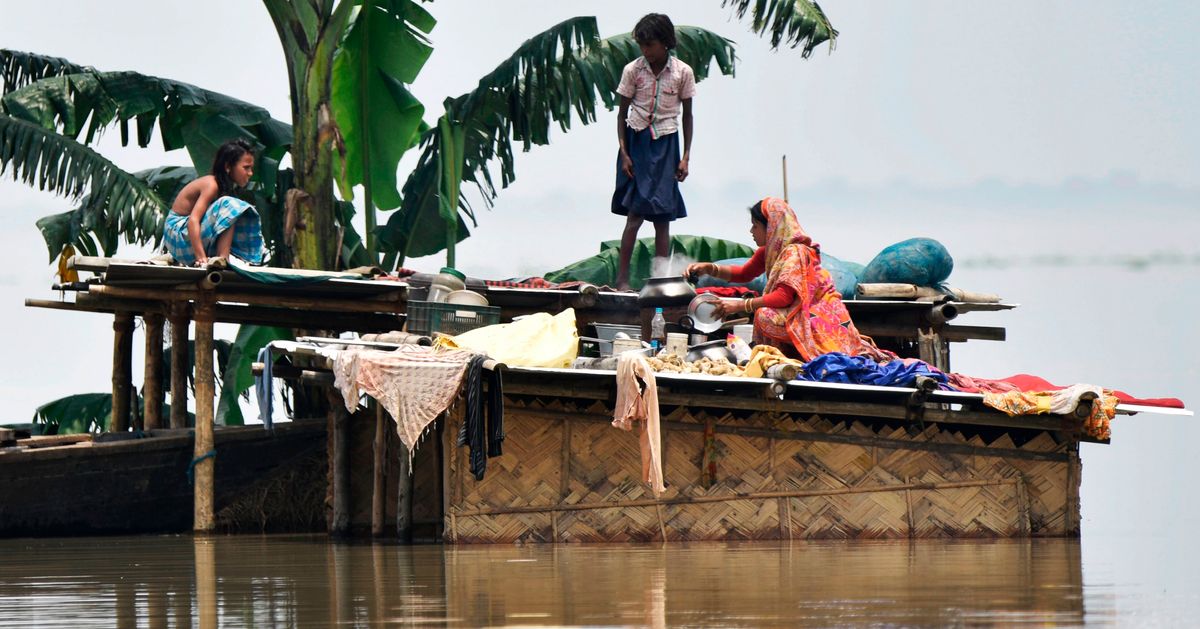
{"x": 818, "y": 322}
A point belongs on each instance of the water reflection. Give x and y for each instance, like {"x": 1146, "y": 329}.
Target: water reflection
{"x": 305, "y": 581}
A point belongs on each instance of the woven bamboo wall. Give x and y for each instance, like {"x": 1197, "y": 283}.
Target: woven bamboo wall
{"x": 568, "y": 476}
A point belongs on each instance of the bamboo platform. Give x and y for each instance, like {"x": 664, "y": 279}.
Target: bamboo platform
{"x": 781, "y": 473}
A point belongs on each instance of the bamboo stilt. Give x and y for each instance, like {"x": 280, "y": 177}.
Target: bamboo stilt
{"x": 152, "y": 389}
{"x": 179, "y": 365}
{"x": 339, "y": 470}
{"x": 379, "y": 484}
{"x": 122, "y": 373}
{"x": 404, "y": 497}
{"x": 204, "y": 464}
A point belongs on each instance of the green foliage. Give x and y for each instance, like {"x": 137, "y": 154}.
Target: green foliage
{"x": 73, "y": 414}
{"x": 797, "y": 22}
{"x": 561, "y": 73}
{"x": 237, "y": 375}
{"x": 18, "y": 69}
{"x": 85, "y": 412}
{"x": 118, "y": 201}
{"x": 601, "y": 269}
{"x": 378, "y": 117}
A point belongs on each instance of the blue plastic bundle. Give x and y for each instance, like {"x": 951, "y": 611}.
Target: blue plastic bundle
{"x": 920, "y": 261}
{"x": 845, "y": 274}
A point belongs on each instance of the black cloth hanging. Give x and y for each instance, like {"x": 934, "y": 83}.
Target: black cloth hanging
{"x": 495, "y": 413}
{"x": 473, "y": 432}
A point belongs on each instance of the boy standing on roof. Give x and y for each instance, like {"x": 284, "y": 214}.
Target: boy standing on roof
{"x": 653, "y": 89}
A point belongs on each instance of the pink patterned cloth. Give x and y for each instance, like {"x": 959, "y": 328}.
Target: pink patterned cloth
{"x": 414, "y": 384}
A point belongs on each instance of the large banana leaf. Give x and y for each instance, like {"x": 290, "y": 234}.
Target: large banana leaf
{"x": 118, "y": 202}
{"x": 378, "y": 117}
{"x": 86, "y": 102}
{"x": 601, "y": 269}
{"x": 798, "y": 22}
{"x": 18, "y": 69}
{"x": 73, "y": 414}
{"x": 85, "y": 412}
{"x": 238, "y": 377}
{"x": 556, "y": 74}
{"x": 85, "y": 229}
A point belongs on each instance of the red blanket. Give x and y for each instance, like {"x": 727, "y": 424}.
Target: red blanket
{"x": 1026, "y": 382}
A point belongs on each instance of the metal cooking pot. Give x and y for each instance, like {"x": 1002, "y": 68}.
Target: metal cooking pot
{"x": 711, "y": 349}
{"x": 672, "y": 290}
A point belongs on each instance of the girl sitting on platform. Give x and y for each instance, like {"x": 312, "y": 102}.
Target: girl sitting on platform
{"x": 208, "y": 221}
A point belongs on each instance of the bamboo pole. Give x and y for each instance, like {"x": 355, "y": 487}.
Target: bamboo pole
{"x": 339, "y": 469}
{"x": 785, "y": 191}
{"x": 368, "y": 305}
{"x": 379, "y": 484}
{"x": 179, "y": 365}
{"x": 152, "y": 389}
{"x": 203, "y": 460}
{"x": 122, "y": 373}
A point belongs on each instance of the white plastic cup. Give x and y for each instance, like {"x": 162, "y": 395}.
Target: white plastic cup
{"x": 744, "y": 332}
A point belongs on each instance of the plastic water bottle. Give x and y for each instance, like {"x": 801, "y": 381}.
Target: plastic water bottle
{"x": 658, "y": 330}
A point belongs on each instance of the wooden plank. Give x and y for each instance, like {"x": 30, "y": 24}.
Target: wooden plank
{"x": 47, "y": 441}
{"x": 954, "y": 333}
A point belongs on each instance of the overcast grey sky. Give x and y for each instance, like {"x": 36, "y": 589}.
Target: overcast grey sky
{"x": 1009, "y": 131}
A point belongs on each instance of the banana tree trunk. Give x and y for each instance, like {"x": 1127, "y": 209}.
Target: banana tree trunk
{"x": 309, "y": 40}
{"x": 315, "y": 241}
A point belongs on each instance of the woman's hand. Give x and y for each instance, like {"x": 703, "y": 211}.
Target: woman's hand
{"x": 626, "y": 165}
{"x": 696, "y": 269}
{"x": 729, "y": 306}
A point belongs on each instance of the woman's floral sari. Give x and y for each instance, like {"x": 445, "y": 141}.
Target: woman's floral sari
{"x": 817, "y": 322}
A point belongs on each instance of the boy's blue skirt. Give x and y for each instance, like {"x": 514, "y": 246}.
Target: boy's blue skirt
{"x": 652, "y": 193}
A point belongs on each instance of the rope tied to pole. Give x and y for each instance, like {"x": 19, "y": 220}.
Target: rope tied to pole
{"x": 191, "y": 470}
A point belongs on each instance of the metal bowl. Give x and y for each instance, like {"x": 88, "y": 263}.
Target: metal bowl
{"x": 711, "y": 349}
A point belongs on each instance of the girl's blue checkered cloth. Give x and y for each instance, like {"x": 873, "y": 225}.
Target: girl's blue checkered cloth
{"x": 225, "y": 213}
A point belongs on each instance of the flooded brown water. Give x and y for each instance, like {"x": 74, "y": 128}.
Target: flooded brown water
{"x": 285, "y": 581}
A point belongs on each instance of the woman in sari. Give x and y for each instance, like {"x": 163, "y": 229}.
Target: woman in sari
{"x": 800, "y": 311}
